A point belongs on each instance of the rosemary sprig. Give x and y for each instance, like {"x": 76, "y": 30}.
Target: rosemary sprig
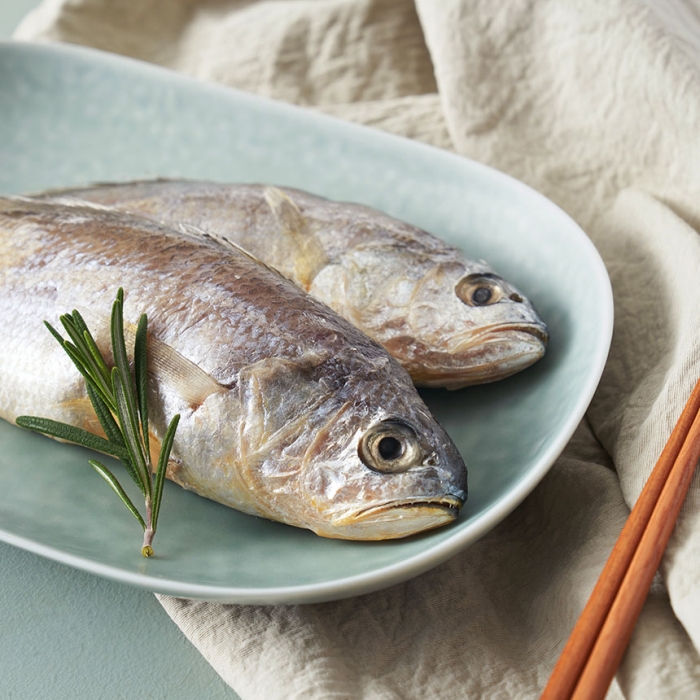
{"x": 120, "y": 401}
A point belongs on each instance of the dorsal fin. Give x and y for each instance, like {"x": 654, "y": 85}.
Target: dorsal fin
{"x": 221, "y": 241}
{"x": 65, "y": 200}
{"x": 75, "y": 190}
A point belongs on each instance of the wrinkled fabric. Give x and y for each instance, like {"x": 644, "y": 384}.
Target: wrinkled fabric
{"x": 597, "y": 106}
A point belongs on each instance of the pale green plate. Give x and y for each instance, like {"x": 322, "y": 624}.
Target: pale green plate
{"x": 72, "y": 116}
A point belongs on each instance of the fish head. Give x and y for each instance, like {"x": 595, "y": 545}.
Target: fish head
{"x": 337, "y": 442}
{"x": 467, "y": 325}
{"x": 378, "y": 474}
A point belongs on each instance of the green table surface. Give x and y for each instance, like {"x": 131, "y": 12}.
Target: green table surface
{"x": 68, "y": 634}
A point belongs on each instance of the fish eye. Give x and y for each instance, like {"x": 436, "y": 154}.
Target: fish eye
{"x": 390, "y": 446}
{"x": 479, "y": 290}
{"x": 482, "y": 295}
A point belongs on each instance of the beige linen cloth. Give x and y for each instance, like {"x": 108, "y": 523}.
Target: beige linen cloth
{"x": 597, "y": 105}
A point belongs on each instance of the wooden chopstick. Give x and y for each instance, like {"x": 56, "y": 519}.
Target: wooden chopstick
{"x": 599, "y": 639}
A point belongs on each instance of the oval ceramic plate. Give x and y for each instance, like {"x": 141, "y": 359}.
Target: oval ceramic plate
{"x": 73, "y": 116}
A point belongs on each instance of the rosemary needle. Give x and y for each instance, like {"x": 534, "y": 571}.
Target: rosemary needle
{"x": 120, "y": 400}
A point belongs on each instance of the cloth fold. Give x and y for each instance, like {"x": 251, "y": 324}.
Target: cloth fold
{"x": 594, "y": 104}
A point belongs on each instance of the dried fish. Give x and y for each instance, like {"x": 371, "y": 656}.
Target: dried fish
{"x": 287, "y": 410}
{"x": 450, "y": 321}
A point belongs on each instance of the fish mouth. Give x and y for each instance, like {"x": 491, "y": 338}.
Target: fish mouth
{"x": 446, "y": 503}
{"x": 402, "y": 518}
{"x": 537, "y": 330}
{"x": 495, "y": 333}
{"x": 497, "y": 352}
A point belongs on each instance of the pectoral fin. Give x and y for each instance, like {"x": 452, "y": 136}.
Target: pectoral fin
{"x": 184, "y": 376}
{"x": 305, "y": 254}
{"x": 170, "y": 367}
